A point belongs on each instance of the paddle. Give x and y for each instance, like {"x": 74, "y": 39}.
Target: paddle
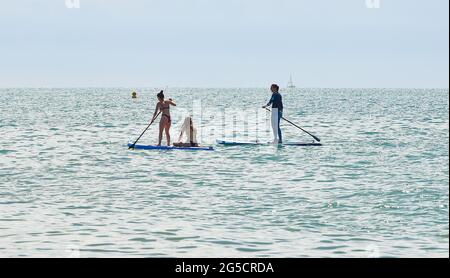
{"x": 315, "y": 137}
{"x": 132, "y": 146}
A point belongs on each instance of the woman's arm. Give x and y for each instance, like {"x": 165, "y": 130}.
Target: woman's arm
{"x": 156, "y": 111}
{"x": 171, "y": 102}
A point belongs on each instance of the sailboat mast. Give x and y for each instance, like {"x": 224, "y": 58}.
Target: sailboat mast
{"x": 291, "y": 83}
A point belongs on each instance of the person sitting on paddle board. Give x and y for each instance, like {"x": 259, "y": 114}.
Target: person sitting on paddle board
{"x": 166, "y": 121}
{"x": 277, "y": 113}
{"x": 190, "y": 131}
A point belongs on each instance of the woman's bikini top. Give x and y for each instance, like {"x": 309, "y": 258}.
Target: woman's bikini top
{"x": 162, "y": 107}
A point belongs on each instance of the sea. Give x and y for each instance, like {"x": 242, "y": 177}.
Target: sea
{"x": 377, "y": 187}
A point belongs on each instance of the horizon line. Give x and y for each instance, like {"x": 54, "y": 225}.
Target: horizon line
{"x": 205, "y": 87}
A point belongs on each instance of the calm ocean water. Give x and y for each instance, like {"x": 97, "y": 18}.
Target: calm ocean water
{"x": 377, "y": 188}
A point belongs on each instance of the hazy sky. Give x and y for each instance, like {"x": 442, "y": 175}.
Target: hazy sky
{"x": 221, "y": 43}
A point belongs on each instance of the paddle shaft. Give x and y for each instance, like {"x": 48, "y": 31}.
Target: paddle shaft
{"x": 132, "y": 146}
{"x": 315, "y": 137}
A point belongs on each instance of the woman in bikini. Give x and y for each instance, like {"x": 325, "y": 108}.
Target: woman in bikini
{"x": 164, "y": 125}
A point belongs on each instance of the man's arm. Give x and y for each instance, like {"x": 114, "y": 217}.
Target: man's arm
{"x": 270, "y": 102}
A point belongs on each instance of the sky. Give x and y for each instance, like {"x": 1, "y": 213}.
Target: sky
{"x": 224, "y": 43}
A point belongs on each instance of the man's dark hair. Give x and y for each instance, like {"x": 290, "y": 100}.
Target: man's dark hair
{"x": 276, "y": 87}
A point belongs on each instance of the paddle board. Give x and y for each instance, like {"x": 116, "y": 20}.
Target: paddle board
{"x": 149, "y": 147}
{"x": 254, "y": 143}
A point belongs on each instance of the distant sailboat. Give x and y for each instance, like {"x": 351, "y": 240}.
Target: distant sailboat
{"x": 291, "y": 84}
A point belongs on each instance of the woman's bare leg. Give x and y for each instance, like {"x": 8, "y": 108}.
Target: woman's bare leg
{"x": 168, "y": 133}
{"x": 161, "y": 129}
